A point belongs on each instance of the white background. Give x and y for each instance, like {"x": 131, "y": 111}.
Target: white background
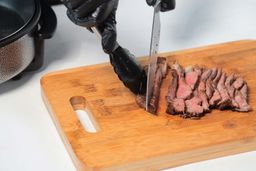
{"x": 28, "y": 138}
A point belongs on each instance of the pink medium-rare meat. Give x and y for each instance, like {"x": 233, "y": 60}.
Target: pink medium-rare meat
{"x": 172, "y": 89}
{"x": 243, "y": 105}
{"x": 191, "y": 77}
{"x": 206, "y": 74}
{"x": 225, "y": 98}
{"x": 198, "y": 70}
{"x": 194, "y": 91}
{"x": 174, "y": 105}
{"x": 212, "y": 89}
{"x": 179, "y": 69}
{"x": 215, "y": 99}
{"x": 184, "y": 91}
{"x": 217, "y": 77}
{"x": 194, "y": 108}
{"x": 202, "y": 89}
{"x": 231, "y": 90}
{"x": 209, "y": 87}
{"x": 238, "y": 83}
{"x": 244, "y": 91}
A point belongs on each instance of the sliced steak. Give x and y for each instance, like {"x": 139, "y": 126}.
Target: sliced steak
{"x": 231, "y": 90}
{"x": 217, "y": 78}
{"x": 226, "y": 101}
{"x": 161, "y": 72}
{"x": 184, "y": 91}
{"x": 172, "y": 89}
{"x": 172, "y": 104}
{"x": 202, "y": 90}
{"x": 209, "y": 87}
{"x": 193, "y": 108}
{"x": 238, "y": 83}
{"x": 243, "y": 105}
{"x": 176, "y": 106}
{"x": 141, "y": 100}
{"x": 215, "y": 99}
{"x": 191, "y": 77}
{"x": 244, "y": 91}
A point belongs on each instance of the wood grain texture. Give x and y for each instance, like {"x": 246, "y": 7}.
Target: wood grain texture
{"x": 131, "y": 139}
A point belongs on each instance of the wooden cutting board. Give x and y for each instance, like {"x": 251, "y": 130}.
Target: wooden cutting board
{"x": 129, "y": 138}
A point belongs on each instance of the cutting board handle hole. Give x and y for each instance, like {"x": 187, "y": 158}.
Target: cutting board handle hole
{"x": 84, "y": 115}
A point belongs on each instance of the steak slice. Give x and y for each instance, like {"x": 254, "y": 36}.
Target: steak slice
{"x": 231, "y": 90}
{"x": 161, "y": 72}
{"x": 217, "y": 78}
{"x": 191, "y": 77}
{"x": 243, "y": 105}
{"x": 225, "y": 98}
{"x": 238, "y": 83}
{"x": 244, "y": 91}
{"x": 215, "y": 99}
{"x": 172, "y": 89}
{"x": 141, "y": 100}
{"x": 202, "y": 89}
{"x": 184, "y": 91}
{"x": 209, "y": 87}
{"x": 194, "y": 109}
{"x": 174, "y": 106}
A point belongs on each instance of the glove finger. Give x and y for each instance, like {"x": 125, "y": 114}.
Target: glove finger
{"x": 104, "y": 11}
{"x": 167, "y": 5}
{"x": 72, "y": 4}
{"x": 87, "y": 8}
{"x": 96, "y": 18}
{"x": 84, "y": 22}
{"x": 108, "y": 33}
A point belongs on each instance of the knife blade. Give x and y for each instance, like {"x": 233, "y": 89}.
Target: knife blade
{"x": 154, "y": 46}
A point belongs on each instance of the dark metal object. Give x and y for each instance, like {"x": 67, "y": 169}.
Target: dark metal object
{"x": 23, "y": 28}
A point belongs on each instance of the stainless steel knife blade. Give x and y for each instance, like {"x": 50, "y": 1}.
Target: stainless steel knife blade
{"x": 154, "y": 46}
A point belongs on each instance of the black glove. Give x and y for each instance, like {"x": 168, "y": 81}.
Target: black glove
{"x": 166, "y": 5}
{"x": 129, "y": 71}
{"x": 95, "y": 13}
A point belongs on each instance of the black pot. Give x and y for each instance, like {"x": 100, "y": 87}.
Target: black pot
{"x": 24, "y": 25}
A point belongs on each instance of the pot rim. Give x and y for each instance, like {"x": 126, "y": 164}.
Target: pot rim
{"x": 25, "y": 29}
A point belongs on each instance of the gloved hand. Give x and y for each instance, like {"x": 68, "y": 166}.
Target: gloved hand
{"x": 128, "y": 70}
{"x": 166, "y": 5}
{"x": 95, "y": 13}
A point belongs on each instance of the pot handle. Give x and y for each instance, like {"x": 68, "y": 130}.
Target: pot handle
{"x": 47, "y": 22}
{"x": 46, "y": 27}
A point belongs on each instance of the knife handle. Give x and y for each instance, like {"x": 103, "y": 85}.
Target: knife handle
{"x": 166, "y": 5}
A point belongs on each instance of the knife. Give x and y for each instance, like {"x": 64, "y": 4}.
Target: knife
{"x": 154, "y": 45}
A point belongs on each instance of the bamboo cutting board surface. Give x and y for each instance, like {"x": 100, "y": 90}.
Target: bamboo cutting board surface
{"x": 129, "y": 138}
